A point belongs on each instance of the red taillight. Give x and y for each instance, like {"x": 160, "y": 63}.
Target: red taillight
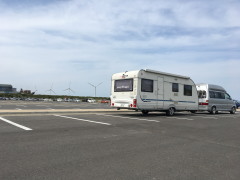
{"x": 204, "y": 104}
{"x": 134, "y": 103}
{"x": 112, "y": 104}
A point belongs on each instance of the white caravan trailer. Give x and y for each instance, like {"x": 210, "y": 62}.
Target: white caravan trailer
{"x": 214, "y": 98}
{"x": 149, "y": 90}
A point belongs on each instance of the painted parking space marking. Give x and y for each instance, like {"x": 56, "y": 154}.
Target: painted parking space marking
{"x": 97, "y": 122}
{"x": 138, "y": 119}
{"x": 208, "y": 117}
{"x": 204, "y": 116}
{"x": 15, "y": 124}
{"x": 218, "y": 116}
{"x": 21, "y": 105}
{"x": 234, "y": 117}
{"x": 180, "y": 118}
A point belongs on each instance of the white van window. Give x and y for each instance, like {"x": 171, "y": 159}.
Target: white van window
{"x": 123, "y": 85}
{"x": 216, "y": 95}
{"x": 147, "y": 85}
{"x": 211, "y": 94}
{"x": 227, "y": 96}
{"x": 219, "y": 95}
{"x": 187, "y": 90}
{"x": 175, "y": 87}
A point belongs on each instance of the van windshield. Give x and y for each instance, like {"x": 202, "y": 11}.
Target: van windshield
{"x": 123, "y": 85}
{"x": 201, "y": 94}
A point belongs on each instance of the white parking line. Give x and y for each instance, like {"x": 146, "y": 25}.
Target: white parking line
{"x": 15, "y": 124}
{"x": 180, "y": 118}
{"x": 204, "y": 116}
{"x": 21, "y": 105}
{"x": 234, "y": 117}
{"x": 82, "y": 120}
{"x": 208, "y": 117}
{"x": 139, "y": 119}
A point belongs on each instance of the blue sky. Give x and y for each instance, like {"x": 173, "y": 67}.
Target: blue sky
{"x": 45, "y": 42}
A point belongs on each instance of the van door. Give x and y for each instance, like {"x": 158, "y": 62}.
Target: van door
{"x": 228, "y": 102}
{"x": 160, "y": 93}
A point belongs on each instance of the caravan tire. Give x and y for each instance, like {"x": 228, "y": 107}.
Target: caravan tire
{"x": 145, "y": 112}
{"x": 170, "y": 111}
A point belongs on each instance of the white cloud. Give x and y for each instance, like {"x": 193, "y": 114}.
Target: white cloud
{"x": 87, "y": 41}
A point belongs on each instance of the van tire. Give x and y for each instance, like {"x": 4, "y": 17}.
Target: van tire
{"x": 170, "y": 111}
{"x": 145, "y": 112}
{"x": 233, "y": 110}
{"x": 213, "y": 110}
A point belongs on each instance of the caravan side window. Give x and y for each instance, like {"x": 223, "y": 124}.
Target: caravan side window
{"x": 147, "y": 85}
{"x": 187, "y": 90}
{"x": 175, "y": 87}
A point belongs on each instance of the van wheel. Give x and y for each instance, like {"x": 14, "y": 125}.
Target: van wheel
{"x": 170, "y": 111}
{"x": 233, "y": 110}
{"x": 145, "y": 112}
{"x": 213, "y": 110}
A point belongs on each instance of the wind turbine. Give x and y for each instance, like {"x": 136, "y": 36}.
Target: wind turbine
{"x": 95, "y": 86}
{"x": 50, "y": 90}
{"x": 69, "y": 89}
{"x": 35, "y": 90}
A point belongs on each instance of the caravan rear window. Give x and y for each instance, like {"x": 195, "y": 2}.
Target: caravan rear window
{"x": 123, "y": 85}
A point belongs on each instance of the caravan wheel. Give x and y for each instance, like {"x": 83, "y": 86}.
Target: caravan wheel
{"x": 170, "y": 111}
{"x": 145, "y": 112}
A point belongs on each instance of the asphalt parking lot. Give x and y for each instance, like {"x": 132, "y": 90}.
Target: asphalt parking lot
{"x": 106, "y": 144}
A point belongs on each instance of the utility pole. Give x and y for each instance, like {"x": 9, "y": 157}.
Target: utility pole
{"x": 95, "y": 87}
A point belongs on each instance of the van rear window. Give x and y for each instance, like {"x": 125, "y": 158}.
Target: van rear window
{"x": 123, "y": 85}
{"x": 202, "y": 94}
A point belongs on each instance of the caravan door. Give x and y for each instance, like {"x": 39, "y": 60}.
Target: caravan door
{"x": 148, "y": 94}
{"x": 160, "y": 92}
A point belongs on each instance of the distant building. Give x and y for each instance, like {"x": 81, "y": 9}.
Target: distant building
{"x": 7, "y": 88}
{"x": 25, "y": 91}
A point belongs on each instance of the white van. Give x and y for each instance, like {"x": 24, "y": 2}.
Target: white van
{"x": 149, "y": 90}
{"x": 214, "y": 98}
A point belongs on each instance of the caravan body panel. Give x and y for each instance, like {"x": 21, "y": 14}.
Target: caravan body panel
{"x": 150, "y": 90}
